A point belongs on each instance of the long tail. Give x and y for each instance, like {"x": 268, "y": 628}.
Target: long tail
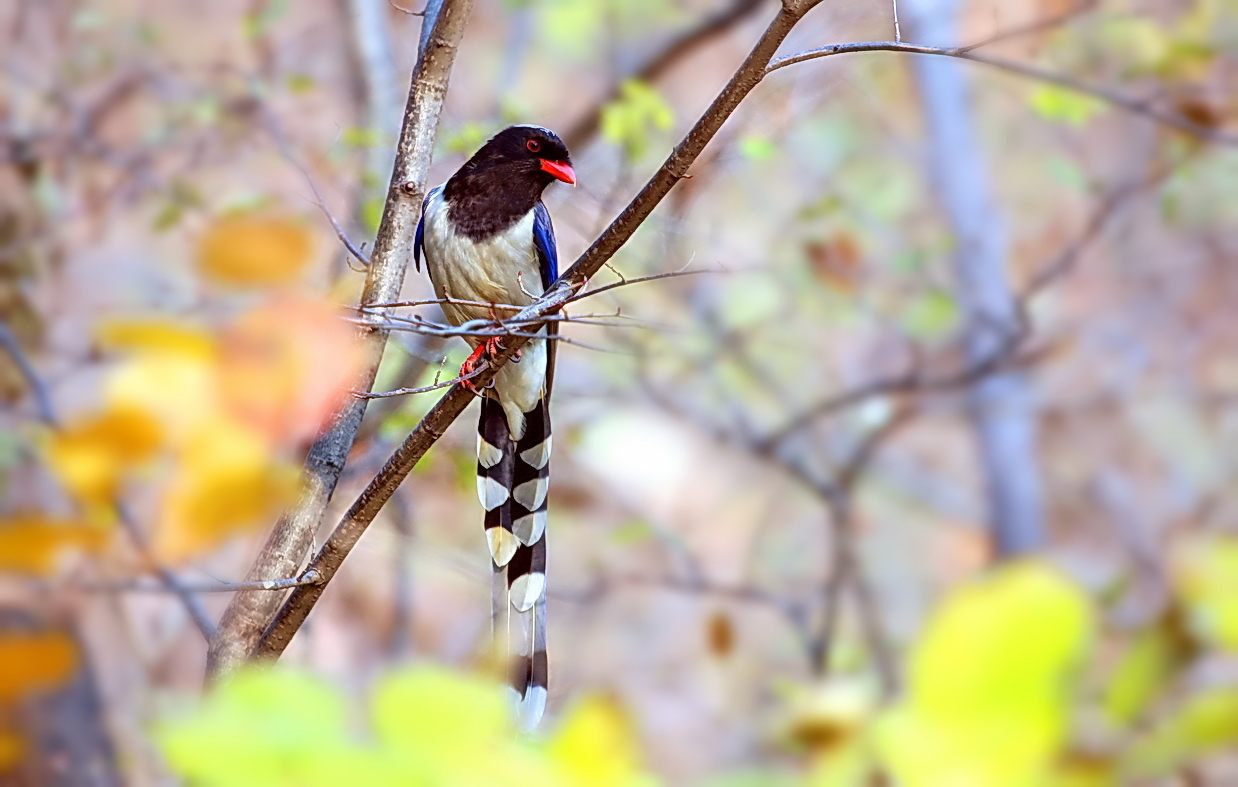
{"x": 512, "y": 481}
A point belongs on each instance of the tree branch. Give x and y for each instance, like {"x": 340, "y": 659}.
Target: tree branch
{"x": 329, "y": 558}
{"x": 290, "y": 540}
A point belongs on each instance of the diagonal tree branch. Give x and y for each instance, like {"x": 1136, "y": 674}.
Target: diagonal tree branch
{"x": 329, "y": 558}
{"x": 290, "y": 540}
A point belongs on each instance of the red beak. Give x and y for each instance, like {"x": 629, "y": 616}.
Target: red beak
{"x": 560, "y": 170}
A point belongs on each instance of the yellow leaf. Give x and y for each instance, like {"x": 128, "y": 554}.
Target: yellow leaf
{"x": 91, "y": 455}
{"x": 226, "y": 482}
{"x": 177, "y": 390}
{"x": 32, "y": 543}
{"x": 594, "y": 747}
{"x": 32, "y": 662}
{"x": 153, "y": 335}
{"x": 988, "y": 701}
{"x": 249, "y": 250}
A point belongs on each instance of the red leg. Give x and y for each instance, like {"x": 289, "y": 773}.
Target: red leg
{"x": 474, "y": 360}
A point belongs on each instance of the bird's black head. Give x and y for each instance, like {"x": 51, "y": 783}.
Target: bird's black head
{"x": 505, "y": 179}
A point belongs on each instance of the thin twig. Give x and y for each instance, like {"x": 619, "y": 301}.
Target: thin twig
{"x": 197, "y": 613}
{"x": 285, "y": 148}
{"x": 406, "y": 391}
{"x": 42, "y": 397}
{"x": 1121, "y": 100}
{"x": 139, "y": 585}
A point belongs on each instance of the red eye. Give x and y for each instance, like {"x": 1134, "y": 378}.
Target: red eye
{"x": 533, "y": 145}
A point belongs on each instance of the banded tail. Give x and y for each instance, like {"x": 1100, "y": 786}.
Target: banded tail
{"x": 513, "y": 474}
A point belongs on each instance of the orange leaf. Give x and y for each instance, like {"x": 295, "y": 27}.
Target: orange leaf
{"x": 32, "y": 543}
{"x": 287, "y": 366}
{"x": 249, "y": 250}
{"x": 31, "y": 662}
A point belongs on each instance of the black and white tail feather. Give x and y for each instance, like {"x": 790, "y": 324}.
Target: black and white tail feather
{"x": 488, "y": 238}
{"x": 513, "y": 474}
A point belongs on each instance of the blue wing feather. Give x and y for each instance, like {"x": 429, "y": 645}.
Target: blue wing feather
{"x": 421, "y": 231}
{"x": 544, "y": 240}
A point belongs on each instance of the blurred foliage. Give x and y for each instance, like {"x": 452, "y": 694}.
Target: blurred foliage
{"x": 31, "y": 662}
{"x": 628, "y": 120}
{"x": 250, "y": 250}
{"x": 1068, "y": 106}
{"x": 426, "y": 726}
{"x": 998, "y": 696}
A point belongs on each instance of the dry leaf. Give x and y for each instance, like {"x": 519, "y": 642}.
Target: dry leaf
{"x": 720, "y": 634}
{"x": 836, "y": 262}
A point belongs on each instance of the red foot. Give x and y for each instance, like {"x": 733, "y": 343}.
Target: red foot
{"x": 474, "y": 360}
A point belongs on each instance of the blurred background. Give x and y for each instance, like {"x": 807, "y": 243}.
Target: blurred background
{"x": 940, "y": 316}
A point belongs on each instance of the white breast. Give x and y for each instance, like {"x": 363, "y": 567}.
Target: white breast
{"x": 501, "y": 270}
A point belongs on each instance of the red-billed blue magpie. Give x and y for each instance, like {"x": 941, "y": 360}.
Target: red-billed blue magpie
{"x": 488, "y": 240}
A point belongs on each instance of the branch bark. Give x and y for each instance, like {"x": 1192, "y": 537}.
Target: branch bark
{"x": 289, "y": 542}
{"x": 329, "y": 558}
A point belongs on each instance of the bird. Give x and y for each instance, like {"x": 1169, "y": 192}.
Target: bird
{"x": 489, "y": 247}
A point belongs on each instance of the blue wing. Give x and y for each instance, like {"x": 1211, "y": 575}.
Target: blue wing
{"x": 421, "y": 231}
{"x": 544, "y": 240}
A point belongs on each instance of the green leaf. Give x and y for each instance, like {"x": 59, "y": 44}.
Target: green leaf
{"x": 300, "y": 84}
{"x": 466, "y": 139}
{"x": 1146, "y": 669}
{"x": 1062, "y": 105}
{"x": 628, "y": 120}
{"x": 757, "y": 148}
{"x": 1203, "y": 724}
{"x": 594, "y": 748}
{"x": 1205, "y": 573}
{"x": 931, "y": 316}
{"x": 988, "y": 693}
{"x": 262, "y": 727}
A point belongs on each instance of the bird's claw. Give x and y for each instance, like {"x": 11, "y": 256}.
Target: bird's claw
{"x": 480, "y": 354}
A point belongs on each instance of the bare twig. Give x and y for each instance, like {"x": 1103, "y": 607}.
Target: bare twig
{"x": 1131, "y": 104}
{"x": 425, "y": 389}
{"x": 285, "y": 148}
{"x": 38, "y": 390}
{"x": 197, "y": 613}
{"x": 139, "y": 585}
{"x": 287, "y": 545}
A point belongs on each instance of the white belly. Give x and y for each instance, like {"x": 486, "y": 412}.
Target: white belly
{"x": 501, "y": 270}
